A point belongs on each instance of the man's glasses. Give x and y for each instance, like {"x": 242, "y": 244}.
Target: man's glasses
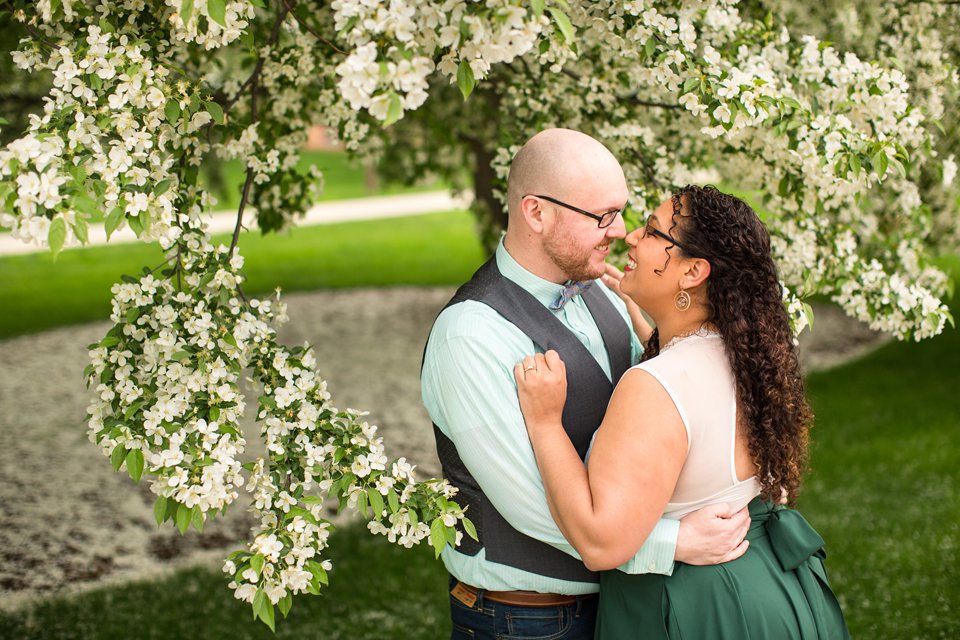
{"x": 603, "y": 220}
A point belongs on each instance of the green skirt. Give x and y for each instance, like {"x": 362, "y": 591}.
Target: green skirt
{"x": 777, "y": 590}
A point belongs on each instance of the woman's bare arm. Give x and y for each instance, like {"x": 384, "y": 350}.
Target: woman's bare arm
{"x": 608, "y": 511}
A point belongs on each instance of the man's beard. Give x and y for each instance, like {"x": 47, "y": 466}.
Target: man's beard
{"x": 576, "y": 266}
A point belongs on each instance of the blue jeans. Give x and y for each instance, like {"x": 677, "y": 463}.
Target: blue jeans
{"x": 487, "y": 620}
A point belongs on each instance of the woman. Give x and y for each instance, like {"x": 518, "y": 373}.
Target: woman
{"x": 715, "y": 414}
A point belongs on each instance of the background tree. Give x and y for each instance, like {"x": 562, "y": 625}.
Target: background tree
{"x": 843, "y": 149}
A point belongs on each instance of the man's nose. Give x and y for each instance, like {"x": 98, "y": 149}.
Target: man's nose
{"x": 618, "y": 229}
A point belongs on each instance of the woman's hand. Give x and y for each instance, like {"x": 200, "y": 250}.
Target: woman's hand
{"x": 542, "y": 387}
{"x": 612, "y": 279}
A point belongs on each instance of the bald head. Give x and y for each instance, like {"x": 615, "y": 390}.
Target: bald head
{"x": 561, "y": 163}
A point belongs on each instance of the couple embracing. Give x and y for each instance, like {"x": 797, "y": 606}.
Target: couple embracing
{"x": 625, "y": 481}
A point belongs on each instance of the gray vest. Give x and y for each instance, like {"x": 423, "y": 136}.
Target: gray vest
{"x": 588, "y": 392}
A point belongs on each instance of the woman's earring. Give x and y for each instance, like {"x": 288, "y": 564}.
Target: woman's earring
{"x": 682, "y": 301}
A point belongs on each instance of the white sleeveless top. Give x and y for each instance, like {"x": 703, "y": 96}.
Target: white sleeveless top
{"x": 696, "y": 374}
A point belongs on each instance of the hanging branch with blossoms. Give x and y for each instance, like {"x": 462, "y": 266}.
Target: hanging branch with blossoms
{"x": 142, "y": 93}
{"x": 850, "y": 157}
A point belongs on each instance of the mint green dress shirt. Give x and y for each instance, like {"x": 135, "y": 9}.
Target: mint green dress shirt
{"x": 470, "y": 393}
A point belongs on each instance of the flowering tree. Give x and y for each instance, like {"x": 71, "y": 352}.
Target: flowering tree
{"x": 138, "y": 94}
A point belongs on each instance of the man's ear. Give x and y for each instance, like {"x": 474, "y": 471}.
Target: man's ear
{"x": 696, "y": 273}
{"x": 531, "y": 210}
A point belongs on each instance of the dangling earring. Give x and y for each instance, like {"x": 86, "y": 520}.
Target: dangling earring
{"x": 682, "y": 300}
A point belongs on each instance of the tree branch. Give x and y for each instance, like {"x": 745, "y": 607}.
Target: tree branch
{"x": 272, "y": 40}
{"x": 291, "y": 5}
{"x": 33, "y": 31}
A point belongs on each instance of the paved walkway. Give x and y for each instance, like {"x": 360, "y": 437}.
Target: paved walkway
{"x": 323, "y": 213}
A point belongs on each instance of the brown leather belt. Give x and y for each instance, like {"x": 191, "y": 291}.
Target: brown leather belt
{"x": 521, "y": 598}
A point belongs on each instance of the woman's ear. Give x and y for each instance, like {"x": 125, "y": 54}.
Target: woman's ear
{"x": 696, "y": 273}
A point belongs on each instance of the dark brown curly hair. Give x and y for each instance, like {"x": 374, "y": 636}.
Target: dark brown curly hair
{"x": 744, "y": 302}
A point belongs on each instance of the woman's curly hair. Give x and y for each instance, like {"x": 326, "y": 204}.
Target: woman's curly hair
{"x": 744, "y": 302}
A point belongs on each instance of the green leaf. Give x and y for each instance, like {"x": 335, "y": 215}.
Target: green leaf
{"x": 172, "y": 507}
{"x": 855, "y": 164}
{"x": 784, "y": 187}
{"x": 470, "y": 529}
{"x": 229, "y": 339}
{"x": 162, "y": 187}
{"x": 135, "y": 464}
{"x": 215, "y": 111}
{"x": 285, "y": 603}
{"x": 118, "y": 455}
{"x": 80, "y": 229}
{"x": 196, "y": 517}
{"x": 465, "y": 79}
{"x": 181, "y": 355}
{"x": 438, "y": 535}
{"x": 183, "y": 516}
{"x": 376, "y": 502}
{"x": 57, "y": 235}
{"x": 319, "y": 573}
{"x": 267, "y": 615}
{"x": 186, "y": 11}
{"x": 214, "y": 414}
{"x": 256, "y": 563}
{"x": 132, "y": 409}
{"x": 113, "y": 221}
{"x": 362, "y": 503}
{"x": 790, "y": 102}
{"x": 394, "y": 110}
{"x": 537, "y": 7}
{"x": 393, "y": 500}
{"x": 880, "y": 162}
{"x": 564, "y": 24}
{"x": 132, "y": 314}
{"x": 160, "y": 510}
{"x": 899, "y": 167}
{"x": 690, "y": 84}
{"x": 650, "y": 46}
{"x": 218, "y": 11}
{"x": 172, "y": 111}
{"x": 259, "y": 601}
{"x": 136, "y": 224}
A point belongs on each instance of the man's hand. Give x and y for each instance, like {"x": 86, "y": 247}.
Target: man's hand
{"x": 712, "y": 535}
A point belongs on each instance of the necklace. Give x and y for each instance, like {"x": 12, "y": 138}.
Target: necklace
{"x": 702, "y": 332}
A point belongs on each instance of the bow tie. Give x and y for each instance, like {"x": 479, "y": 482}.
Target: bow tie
{"x": 569, "y": 291}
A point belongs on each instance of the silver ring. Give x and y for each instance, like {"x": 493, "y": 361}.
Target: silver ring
{"x": 530, "y": 368}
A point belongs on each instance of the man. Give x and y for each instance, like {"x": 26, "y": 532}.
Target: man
{"x": 565, "y": 195}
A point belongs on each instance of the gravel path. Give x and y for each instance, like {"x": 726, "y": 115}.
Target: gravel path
{"x": 68, "y": 522}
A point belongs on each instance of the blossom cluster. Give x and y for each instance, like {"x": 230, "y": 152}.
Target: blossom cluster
{"x": 317, "y": 452}
{"x": 835, "y": 147}
{"x": 167, "y": 405}
{"x": 165, "y": 378}
{"x": 396, "y": 46}
{"x": 112, "y": 128}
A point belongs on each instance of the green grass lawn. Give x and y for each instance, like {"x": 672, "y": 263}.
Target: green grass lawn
{"x": 37, "y": 293}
